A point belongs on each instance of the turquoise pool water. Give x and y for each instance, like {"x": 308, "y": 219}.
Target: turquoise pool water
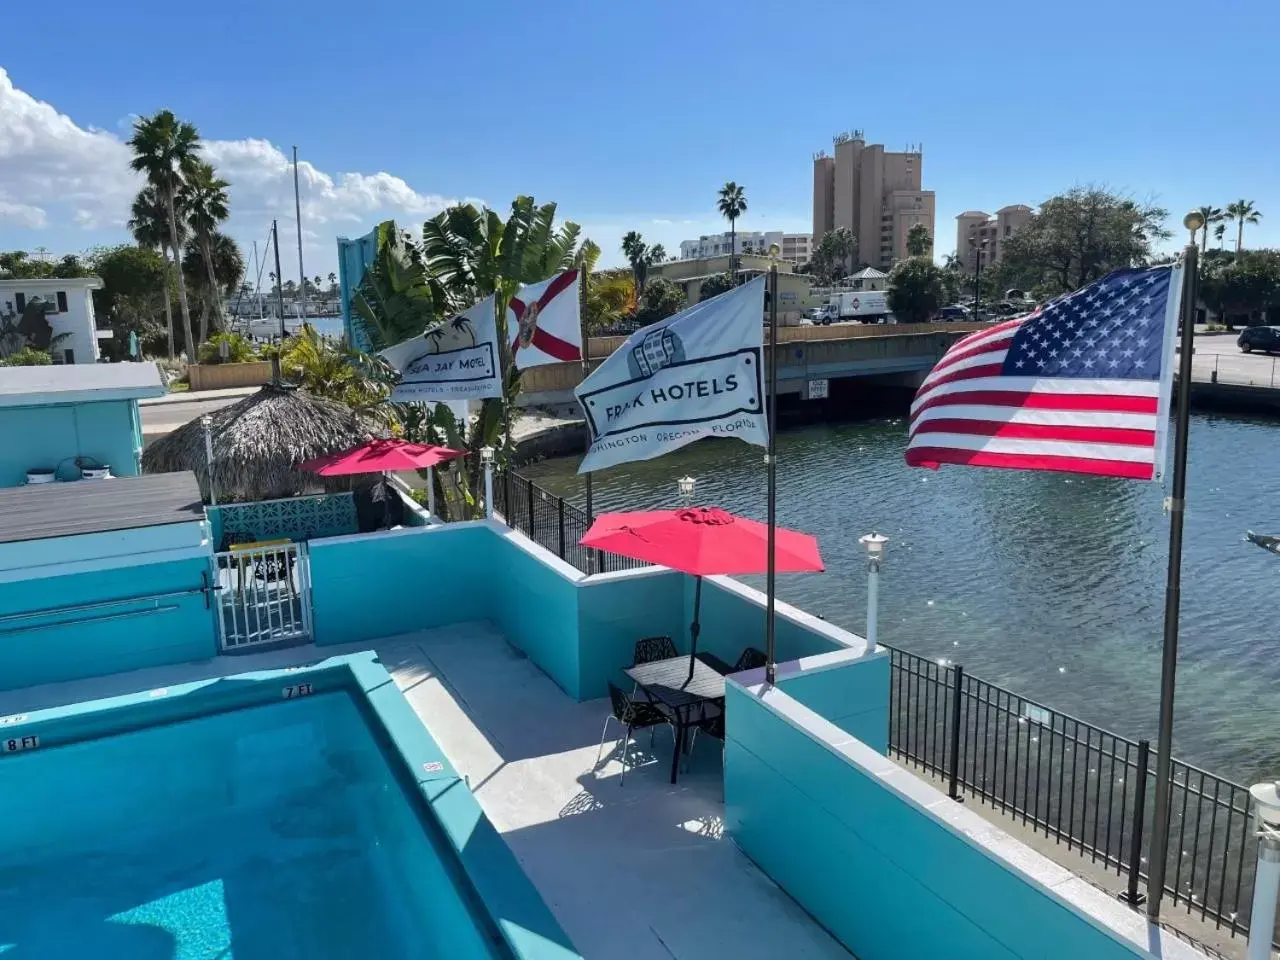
{"x": 268, "y": 832}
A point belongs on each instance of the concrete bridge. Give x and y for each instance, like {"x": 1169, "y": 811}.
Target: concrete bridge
{"x": 893, "y": 355}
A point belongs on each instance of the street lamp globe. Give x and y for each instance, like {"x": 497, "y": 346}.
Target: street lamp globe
{"x": 1267, "y": 797}
{"x": 874, "y": 544}
{"x": 1193, "y": 221}
{"x": 774, "y": 251}
{"x": 486, "y": 455}
{"x": 685, "y": 486}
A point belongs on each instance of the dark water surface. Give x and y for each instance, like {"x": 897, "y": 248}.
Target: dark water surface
{"x": 1048, "y": 584}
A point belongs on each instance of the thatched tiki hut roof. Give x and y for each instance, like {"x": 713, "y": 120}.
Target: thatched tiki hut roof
{"x": 258, "y": 443}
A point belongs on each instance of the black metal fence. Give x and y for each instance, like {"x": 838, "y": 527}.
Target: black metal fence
{"x": 1085, "y": 787}
{"x": 552, "y": 522}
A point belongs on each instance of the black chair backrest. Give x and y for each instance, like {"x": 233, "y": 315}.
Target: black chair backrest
{"x": 621, "y": 702}
{"x": 750, "y": 659}
{"x": 654, "y": 648}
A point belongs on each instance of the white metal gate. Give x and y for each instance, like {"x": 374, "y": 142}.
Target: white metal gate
{"x": 264, "y": 594}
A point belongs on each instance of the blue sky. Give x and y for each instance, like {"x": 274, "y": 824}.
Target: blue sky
{"x": 630, "y": 116}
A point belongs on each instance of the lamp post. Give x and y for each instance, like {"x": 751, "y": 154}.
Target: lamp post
{"x": 874, "y": 544}
{"x": 1266, "y": 883}
{"x": 206, "y": 424}
{"x": 486, "y": 458}
{"x": 979, "y": 247}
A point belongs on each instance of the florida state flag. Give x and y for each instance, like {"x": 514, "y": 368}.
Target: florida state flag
{"x": 543, "y": 322}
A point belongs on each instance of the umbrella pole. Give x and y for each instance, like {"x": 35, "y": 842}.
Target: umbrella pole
{"x": 431, "y": 491}
{"x": 694, "y": 628}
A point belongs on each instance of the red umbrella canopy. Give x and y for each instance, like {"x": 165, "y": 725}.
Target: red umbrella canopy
{"x": 377, "y": 456}
{"x": 702, "y": 541}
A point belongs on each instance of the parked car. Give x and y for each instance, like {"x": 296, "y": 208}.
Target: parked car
{"x": 1266, "y": 339}
{"x": 953, "y": 314}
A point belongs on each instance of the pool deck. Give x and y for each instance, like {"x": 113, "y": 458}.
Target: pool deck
{"x": 637, "y": 871}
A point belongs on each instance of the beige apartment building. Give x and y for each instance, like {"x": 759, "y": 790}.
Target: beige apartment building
{"x": 876, "y": 194}
{"x": 976, "y": 231}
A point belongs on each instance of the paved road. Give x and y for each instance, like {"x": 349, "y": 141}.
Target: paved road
{"x": 1220, "y": 353}
{"x": 164, "y": 414}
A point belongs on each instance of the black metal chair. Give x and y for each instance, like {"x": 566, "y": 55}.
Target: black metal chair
{"x": 750, "y": 659}
{"x": 710, "y": 724}
{"x": 654, "y": 648}
{"x": 634, "y": 715}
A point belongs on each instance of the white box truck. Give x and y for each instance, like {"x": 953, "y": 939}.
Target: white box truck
{"x": 866, "y": 306}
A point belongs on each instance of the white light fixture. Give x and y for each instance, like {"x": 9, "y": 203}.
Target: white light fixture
{"x": 774, "y": 251}
{"x": 486, "y": 455}
{"x": 486, "y": 459}
{"x": 685, "y": 485}
{"x": 874, "y": 544}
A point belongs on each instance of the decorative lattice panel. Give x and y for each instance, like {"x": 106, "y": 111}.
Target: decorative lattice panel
{"x": 293, "y": 518}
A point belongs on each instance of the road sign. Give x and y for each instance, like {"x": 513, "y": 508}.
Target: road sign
{"x": 819, "y": 389}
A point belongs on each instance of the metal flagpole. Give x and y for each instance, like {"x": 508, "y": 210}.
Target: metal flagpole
{"x": 297, "y": 211}
{"x": 593, "y": 556}
{"x": 275, "y": 357}
{"x": 770, "y": 668}
{"x": 1158, "y": 852}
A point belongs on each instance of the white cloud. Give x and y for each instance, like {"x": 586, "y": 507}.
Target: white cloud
{"x": 21, "y": 213}
{"x": 56, "y": 175}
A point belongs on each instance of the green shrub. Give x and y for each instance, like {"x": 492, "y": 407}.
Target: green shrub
{"x": 239, "y": 349}
{"x": 27, "y": 357}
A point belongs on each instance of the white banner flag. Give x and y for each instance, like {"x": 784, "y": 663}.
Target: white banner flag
{"x": 457, "y": 359}
{"x": 697, "y": 374}
{"x": 544, "y": 324}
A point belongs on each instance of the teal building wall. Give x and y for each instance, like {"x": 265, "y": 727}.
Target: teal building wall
{"x": 51, "y": 436}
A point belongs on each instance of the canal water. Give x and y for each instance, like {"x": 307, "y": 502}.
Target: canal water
{"x": 1048, "y": 584}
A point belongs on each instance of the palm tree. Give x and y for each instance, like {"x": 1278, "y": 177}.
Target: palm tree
{"x": 333, "y": 284}
{"x": 214, "y": 268}
{"x": 733, "y": 204}
{"x": 1242, "y": 212}
{"x": 918, "y": 240}
{"x": 1218, "y": 232}
{"x": 635, "y": 250}
{"x": 165, "y": 152}
{"x": 149, "y": 225}
{"x": 1210, "y": 215}
{"x": 203, "y": 197}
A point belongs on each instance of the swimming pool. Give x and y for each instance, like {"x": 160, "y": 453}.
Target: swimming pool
{"x": 276, "y": 830}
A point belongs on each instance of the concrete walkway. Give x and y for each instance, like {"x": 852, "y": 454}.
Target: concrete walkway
{"x": 639, "y": 870}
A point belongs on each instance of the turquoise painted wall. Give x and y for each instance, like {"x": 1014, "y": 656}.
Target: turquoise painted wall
{"x": 613, "y": 613}
{"x": 110, "y": 639}
{"x": 47, "y": 436}
{"x": 731, "y": 622}
{"x": 854, "y": 696}
{"x": 537, "y": 608}
{"x": 580, "y": 631}
{"x": 881, "y": 873}
{"x": 383, "y": 584}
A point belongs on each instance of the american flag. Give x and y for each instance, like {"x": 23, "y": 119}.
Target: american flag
{"x": 1080, "y": 385}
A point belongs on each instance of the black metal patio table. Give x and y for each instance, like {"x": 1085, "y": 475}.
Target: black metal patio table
{"x": 667, "y": 682}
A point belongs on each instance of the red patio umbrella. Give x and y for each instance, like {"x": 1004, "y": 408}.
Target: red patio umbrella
{"x": 702, "y": 541}
{"x": 380, "y": 456}
{"x": 384, "y": 455}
